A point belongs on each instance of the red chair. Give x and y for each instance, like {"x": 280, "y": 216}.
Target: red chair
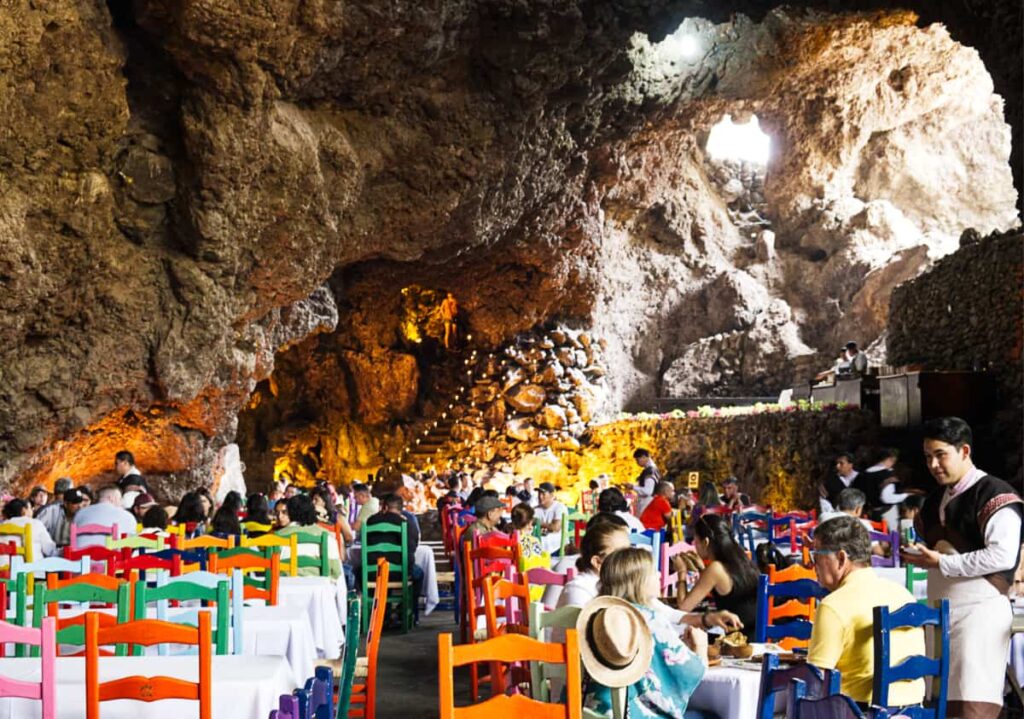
{"x": 514, "y": 613}
{"x": 112, "y": 559}
{"x": 477, "y": 564}
{"x": 148, "y": 632}
{"x": 507, "y": 649}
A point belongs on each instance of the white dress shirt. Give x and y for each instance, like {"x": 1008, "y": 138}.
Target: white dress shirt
{"x": 42, "y": 542}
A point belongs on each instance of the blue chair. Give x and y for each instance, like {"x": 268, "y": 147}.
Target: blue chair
{"x": 744, "y": 529}
{"x": 796, "y": 628}
{"x": 316, "y": 698}
{"x": 188, "y": 556}
{"x": 893, "y": 538}
{"x": 833, "y": 706}
{"x": 648, "y": 538}
{"x": 775, "y": 684}
{"x": 914, "y": 667}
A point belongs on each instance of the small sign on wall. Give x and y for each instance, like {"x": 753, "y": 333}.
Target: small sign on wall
{"x": 693, "y": 480}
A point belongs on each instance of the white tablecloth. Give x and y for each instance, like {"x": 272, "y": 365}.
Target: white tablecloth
{"x": 424, "y": 559}
{"x": 279, "y": 631}
{"x": 899, "y": 576}
{"x": 323, "y": 601}
{"x": 243, "y": 687}
{"x": 730, "y": 693}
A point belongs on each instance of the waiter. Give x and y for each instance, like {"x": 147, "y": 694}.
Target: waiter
{"x": 971, "y": 525}
{"x": 647, "y": 481}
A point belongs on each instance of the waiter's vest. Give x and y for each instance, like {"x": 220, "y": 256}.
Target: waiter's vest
{"x": 966, "y": 517}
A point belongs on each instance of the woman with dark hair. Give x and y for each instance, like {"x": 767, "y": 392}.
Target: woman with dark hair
{"x": 612, "y": 500}
{"x": 302, "y": 519}
{"x": 225, "y": 522}
{"x": 192, "y": 514}
{"x": 155, "y": 518}
{"x": 257, "y": 515}
{"x": 323, "y": 504}
{"x": 730, "y": 578}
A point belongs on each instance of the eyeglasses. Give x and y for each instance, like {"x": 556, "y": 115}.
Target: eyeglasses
{"x": 815, "y": 553}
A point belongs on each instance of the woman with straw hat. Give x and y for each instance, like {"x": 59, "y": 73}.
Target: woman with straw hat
{"x": 627, "y": 645}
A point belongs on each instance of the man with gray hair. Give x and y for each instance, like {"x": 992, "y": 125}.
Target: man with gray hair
{"x": 106, "y": 512}
{"x": 842, "y": 637}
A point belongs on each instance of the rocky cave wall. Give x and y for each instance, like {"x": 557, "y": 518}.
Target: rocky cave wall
{"x": 965, "y": 314}
{"x": 182, "y": 176}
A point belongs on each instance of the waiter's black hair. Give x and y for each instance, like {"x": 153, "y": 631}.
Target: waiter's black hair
{"x": 641, "y": 453}
{"x": 951, "y": 430}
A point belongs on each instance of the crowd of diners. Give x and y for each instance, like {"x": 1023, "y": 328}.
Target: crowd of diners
{"x": 966, "y": 531}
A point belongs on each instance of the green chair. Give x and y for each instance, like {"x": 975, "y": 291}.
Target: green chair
{"x": 86, "y": 589}
{"x": 149, "y": 544}
{"x": 348, "y": 667}
{"x": 322, "y": 560}
{"x": 262, "y": 582}
{"x": 401, "y": 574}
{"x": 540, "y": 619}
{"x": 202, "y": 586}
{"x": 915, "y": 575}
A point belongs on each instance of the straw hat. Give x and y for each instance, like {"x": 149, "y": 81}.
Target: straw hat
{"x": 615, "y": 643}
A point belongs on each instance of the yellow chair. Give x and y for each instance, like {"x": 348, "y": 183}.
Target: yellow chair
{"x": 207, "y": 541}
{"x": 291, "y": 542}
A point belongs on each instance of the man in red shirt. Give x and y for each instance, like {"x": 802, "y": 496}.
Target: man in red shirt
{"x": 659, "y": 510}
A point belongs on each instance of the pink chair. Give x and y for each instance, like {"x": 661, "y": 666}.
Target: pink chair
{"x": 79, "y": 529}
{"x": 670, "y": 579}
{"x": 547, "y": 578}
{"x": 46, "y": 639}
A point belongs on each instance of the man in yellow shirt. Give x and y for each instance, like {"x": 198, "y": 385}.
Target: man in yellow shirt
{"x": 843, "y": 637}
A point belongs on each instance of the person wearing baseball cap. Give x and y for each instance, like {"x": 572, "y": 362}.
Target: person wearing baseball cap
{"x": 487, "y": 508}
{"x": 142, "y": 503}
{"x": 57, "y": 517}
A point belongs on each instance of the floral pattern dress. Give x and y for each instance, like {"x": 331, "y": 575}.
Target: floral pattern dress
{"x": 666, "y": 687}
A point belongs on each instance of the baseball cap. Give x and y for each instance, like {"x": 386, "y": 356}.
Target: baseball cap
{"x": 144, "y": 500}
{"x": 486, "y": 504}
{"x": 74, "y": 496}
{"x": 546, "y": 487}
{"x": 730, "y": 480}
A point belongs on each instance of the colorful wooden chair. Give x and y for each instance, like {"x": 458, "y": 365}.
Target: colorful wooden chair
{"x": 371, "y": 550}
{"x": 261, "y": 571}
{"x": 312, "y": 548}
{"x": 264, "y": 541}
{"x": 287, "y": 708}
{"x": 147, "y": 632}
{"x": 109, "y": 559}
{"x": 348, "y": 665}
{"x": 363, "y": 701}
{"x": 833, "y": 706}
{"x": 542, "y": 673}
{"x": 86, "y": 590}
{"x": 148, "y": 544}
{"x": 670, "y": 579}
{"x": 794, "y": 633}
{"x": 915, "y": 575}
{"x": 542, "y": 577}
{"x": 77, "y": 530}
{"x": 216, "y": 591}
{"x": 507, "y": 649}
{"x": 44, "y": 642}
{"x": 915, "y": 667}
{"x": 24, "y": 534}
{"x": 207, "y": 541}
{"x": 316, "y": 696}
{"x": 648, "y": 538}
{"x": 893, "y": 540}
{"x": 776, "y": 682}
{"x": 511, "y": 616}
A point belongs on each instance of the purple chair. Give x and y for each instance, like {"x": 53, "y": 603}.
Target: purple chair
{"x": 893, "y": 538}
{"x": 287, "y": 707}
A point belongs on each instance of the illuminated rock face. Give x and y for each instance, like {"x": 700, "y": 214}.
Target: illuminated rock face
{"x": 174, "y": 181}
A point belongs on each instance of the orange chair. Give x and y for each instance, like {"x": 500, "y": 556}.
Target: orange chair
{"x": 364, "y": 695}
{"x": 207, "y": 541}
{"x": 793, "y": 607}
{"x": 267, "y": 589}
{"x": 147, "y": 632}
{"x": 335, "y": 529}
{"x": 516, "y": 621}
{"x": 478, "y": 564}
{"x": 508, "y": 649}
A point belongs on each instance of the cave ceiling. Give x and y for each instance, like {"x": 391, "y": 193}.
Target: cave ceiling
{"x": 177, "y": 180}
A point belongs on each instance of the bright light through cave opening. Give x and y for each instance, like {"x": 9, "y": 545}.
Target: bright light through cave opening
{"x": 744, "y": 142}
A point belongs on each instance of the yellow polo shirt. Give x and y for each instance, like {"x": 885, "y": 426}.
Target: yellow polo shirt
{"x": 842, "y": 636}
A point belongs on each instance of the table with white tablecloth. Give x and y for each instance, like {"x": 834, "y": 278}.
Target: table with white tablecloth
{"x": 243, "y": 687}
{"x": 323, "y": 600}
{"x": 279, "y": 631}
{"x": 730, "y": 692}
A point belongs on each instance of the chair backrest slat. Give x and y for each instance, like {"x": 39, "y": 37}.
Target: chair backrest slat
{"x": 912, "y": 616}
